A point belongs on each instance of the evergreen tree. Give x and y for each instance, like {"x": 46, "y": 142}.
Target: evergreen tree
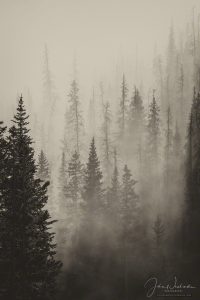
{"x": 158, "y": 230}
{"x": 49, "y": 108}
{"x": 92, "y": 116}
{"x": 123, "y": 108}
{"x": 168, "y": 148}
{"x": 192, "y": 210}
{"x": 136, "y": 124}
{"x": 74, "y": 120}
{"x": 114, "y": 190}
{"x": 74, "y": 187}
{"x": 171, "y": 70}
{"x": 93, "y": 191}
{"x": 136, "y": 114}
{"x": 153, "y": 132}
{"x": 43, "y": 167}
{"x": 159, "y": 259}
{"x": 3, "y": 165}
{"x": 129, "y": 224}
{"x": 63, "y": 181}
{"x": 27, "y": 246}
{"x": 106, "y": 142}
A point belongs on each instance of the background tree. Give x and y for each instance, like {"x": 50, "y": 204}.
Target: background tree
{"x": 43, "y": 167}
{"x": 74, "y": 120}
{"x": 153, "y": 133}
{"x": 123, "y": 108}
{"x": 106, "y": 142}
{"x": 129, "y": 226}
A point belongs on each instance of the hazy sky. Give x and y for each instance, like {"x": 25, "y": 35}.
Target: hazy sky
{"x": 102, "y": 33}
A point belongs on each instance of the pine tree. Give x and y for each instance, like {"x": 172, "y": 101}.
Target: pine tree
{"x": 3, "y": 165}
{"x": 93, "y": 191}
{"x": 49, "y": 107}
{"x": 114, "y": 190}
{"x": 27, "y": 246}
{"x": 168, "y": 148}
{"x": 114, "y": 204}
{"x": 123, "y": 108}
{"x": 136, "y": 123}
{"x": 62, "y": 181}
{"x": 3, "y": 150}
{"x": 171, "y": 69}
{"x": 74, "y": 120}
{"x": 192, "y": 210}
{"x": 92, "y": 115}
{"x": 129, "y": 223}
{"x": 43, "y": 167}
{"x": 158, "y": 231}
{"x": 153, "y": 132}
{"x": 106, "y": 142}
{"x": 75, "y": 186}
{"x": 136, "y": 113}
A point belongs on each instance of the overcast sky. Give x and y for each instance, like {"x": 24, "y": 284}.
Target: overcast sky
{"x": 102, "y": 33}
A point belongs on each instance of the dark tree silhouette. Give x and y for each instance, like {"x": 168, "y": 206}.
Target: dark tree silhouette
{"x": 27, "y": 246}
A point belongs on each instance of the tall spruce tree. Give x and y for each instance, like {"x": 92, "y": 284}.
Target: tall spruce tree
{"x": 3, "y": 165}
{"x": 136, "y": 114}
{"x": 106, "y": 142}
{"x": 27, "y": 246}
{"x": 136, "y": 125}
{"x": 168, "y": 148}
{"x": 123, "y": 108}
{"x": 62, "y": 180}
{"x": 153, "y": 132}
{"x": 191, "y": 218}
{"x": 129, "y": 224}
{"x": 74, "y": 121}
{"x": 115, "y": 189}
{"x": 74, "y": 187}
{"x": 43, "y": 167}
{"x": 158, "y": 237}
{"x": 93, "y": 191}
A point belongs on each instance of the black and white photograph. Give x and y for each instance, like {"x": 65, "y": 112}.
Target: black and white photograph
{"x": 99, "y": 149}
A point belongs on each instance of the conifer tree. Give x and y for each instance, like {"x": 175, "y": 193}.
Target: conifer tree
{"x": 158, "y": 231}
{"x": 62, "y": 181}
{"x": 27, "y": 246}
{"x": 93, "y": 191}
{"x": 153, "y": 132}
{"x": 114, "y": 190}
{"x": 74, "y": 120}
{"x": 106, "y": 142}
{"x": 168, "y": 147}
{"x": 3, "y": 165}
{"x": 191, "y": 221}
{"x": 123, "y": 108}
{"x": 129, "y": 223}
{"x": 136, "y": 113}
{"x": 136, "y": 123}
{"x": 75, "y": 186}
{"x": 43, "y": 167}
{"x": 49, "y": 108}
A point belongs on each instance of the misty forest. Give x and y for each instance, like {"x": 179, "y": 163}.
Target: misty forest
{"x": 98, "y": 196}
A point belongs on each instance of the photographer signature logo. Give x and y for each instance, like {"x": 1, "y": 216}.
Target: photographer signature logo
{"x": 174, "y": 288}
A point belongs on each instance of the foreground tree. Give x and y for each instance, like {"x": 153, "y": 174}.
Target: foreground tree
{"x": 27, "y": 247}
